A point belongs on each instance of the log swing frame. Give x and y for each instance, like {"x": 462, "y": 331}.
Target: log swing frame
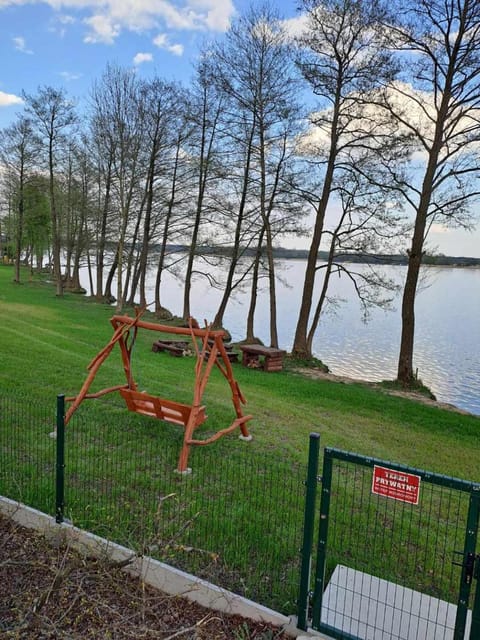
{"x": 211, "y": 353}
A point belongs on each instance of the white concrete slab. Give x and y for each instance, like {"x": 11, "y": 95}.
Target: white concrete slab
{"x": 371, "y": 608}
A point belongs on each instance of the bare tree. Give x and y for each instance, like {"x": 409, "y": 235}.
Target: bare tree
{"x": 174, "y": 195}
{"x": 19, "y": 148}
{"x": 204, "y": 112}
{"x": 37, "y": 222}
{"x": 342, "y": 56}
{"x": 361, "y": 230}
{"x": 53, "y": 116}
{"x": 161, "y": 101}
{"x": 84, "y": 204}
{"x": 73, "y": 197}
{"x": 101, "y": 155}
{"x": 437, "y": 102}
{"x": 118, "y": 112}
{"x": 262, "y": 119}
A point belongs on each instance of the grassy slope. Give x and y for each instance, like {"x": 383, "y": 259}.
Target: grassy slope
{"x": 46, "y": 344}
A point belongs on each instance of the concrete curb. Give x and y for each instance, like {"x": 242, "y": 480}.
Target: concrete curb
{"x": 153, "y": 572}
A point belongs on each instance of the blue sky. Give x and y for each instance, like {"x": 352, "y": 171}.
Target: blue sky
{"x": 68, "y": 43}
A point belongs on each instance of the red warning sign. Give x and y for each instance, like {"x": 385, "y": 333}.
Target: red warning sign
{"x": 396, "y": 484}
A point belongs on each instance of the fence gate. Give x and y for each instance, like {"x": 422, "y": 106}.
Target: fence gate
{"x": 396, "y": 552}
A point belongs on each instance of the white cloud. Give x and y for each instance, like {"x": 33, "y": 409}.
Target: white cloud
{"x": 142, "y": 57}
{"x": 416, "y": 107}
{"x": 66, "y": 19}
{"x": 106, "y": 19}
{"x": 162, "y": 42}
{"x": 9, "y": 99}
{"x": 60, "y": 23}
{"x": 21, "y": 45}
{"x": 185, "y": 19}
{"x": 219, "y": 15}
{"x": 68, "y": 76}
{"x": 102, "y": 29}
{"x": 295, "y": 27}
{"x": 176, "y": 49}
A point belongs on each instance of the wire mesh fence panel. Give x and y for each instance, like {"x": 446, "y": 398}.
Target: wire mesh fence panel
{"x": 394, "y": 567}
{"x": 236, "y": 520}
{"x": 27, "y": 453}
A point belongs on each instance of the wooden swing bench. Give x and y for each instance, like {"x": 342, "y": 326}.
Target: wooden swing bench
{"x": 210, "y": 353}
{"x": 147, "y": 405}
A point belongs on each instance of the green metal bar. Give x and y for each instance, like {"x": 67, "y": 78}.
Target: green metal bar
{"x": 426, "y": 476}
{"x": 475, "y": 627}
{"x": 466, "y": 578}
{"x": 60, "y": 461}
{"x": 337, "y": 634}
{"x": 308, "y": 527}
{"x": 322, "y": 540}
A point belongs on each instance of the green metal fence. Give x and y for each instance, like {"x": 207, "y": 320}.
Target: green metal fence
{"x": 396, "y": 553}
{"x": 236, "y": 520}
{"x": 389, "y": 564}
{"x": 27, "y": 456}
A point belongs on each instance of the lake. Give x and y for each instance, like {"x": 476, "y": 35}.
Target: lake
{"x": 447, "y": 342}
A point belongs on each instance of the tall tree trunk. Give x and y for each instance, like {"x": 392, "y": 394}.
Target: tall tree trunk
{"x": 132, "y": 262}
{"x": 56, "y": 239}
{"x": 108, "y": 295}
{"x": 269, "y": 246}
{"x": 81, "y": 238}
{"x": 143, "y": 264}
{"x": 250, "y": 334}
{"x": 323, "y": 296}
{"x": 19, "y": 241}
{"x": 405, "y": 373}
{"x": 159, "y": 309}
{"x": 102, "y": 232}
{"x": 135, "y": 279}
{"x": 300, "y": 342}
{"x": 218, "y": 320}
{"x": 405, "y": 358}
{"x": 205, "y": 161}
{"x": 268, "y": 233}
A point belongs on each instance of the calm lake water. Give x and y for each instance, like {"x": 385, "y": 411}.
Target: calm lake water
{"x": 447, "y": 343}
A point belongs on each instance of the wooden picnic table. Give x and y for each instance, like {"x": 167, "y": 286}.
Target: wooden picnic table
{"x": 173, "y": 347}
{"x": 256, "y": 356}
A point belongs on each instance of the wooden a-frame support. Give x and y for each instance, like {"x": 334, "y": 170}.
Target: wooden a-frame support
{"x": 212, "y": 352}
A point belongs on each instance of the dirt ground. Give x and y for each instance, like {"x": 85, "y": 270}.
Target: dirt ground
{"x": 53, "y": 592}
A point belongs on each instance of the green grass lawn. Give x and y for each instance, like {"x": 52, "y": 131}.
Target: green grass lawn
{"x": 47, "y": 342}
{"x": 119, "y": 465}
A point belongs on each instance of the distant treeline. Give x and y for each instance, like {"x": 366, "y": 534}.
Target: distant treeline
{"x": 302, "y": 254}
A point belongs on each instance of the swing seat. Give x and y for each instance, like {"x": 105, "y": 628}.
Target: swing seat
{"x": 147, "y": 405}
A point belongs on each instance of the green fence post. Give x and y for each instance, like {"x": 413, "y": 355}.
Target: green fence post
{"x": 475, "y": 626}
{"x": 470, "y": 546}
{"x": 60, "y": 466}
{"x": 322, "y": 539}
{"x": 466, "y": 577}
{"x": 308, "y": 527}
